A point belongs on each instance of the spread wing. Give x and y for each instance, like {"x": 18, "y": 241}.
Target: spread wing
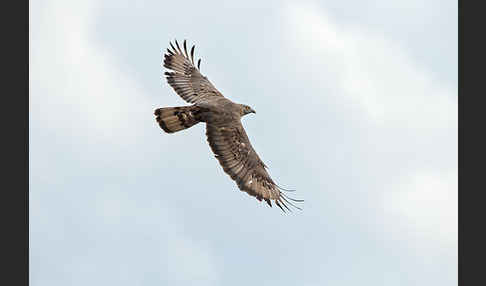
{"x": 185, "y": 78}
{"x": 239, "y": 160}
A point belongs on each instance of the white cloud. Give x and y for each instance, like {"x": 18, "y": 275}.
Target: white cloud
{"x": 186, "y": 259}
{"x": 374, "y": 72}
{"x": 427, "y": 203}
{"x": 78, "y": 89}
{"x": 104, "y": 203}
{"x": 189, "y": 261}
{"x": 405, "y": 110}
{"x": 77, "y": 85}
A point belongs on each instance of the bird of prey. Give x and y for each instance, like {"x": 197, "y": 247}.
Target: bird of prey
{"x": 225, "y": 133}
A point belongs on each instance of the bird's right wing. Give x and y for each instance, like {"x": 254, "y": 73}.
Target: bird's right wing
{"x": 185, "y": 78}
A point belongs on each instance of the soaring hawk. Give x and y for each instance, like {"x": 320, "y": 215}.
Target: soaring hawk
{"x": 225, "y": 134}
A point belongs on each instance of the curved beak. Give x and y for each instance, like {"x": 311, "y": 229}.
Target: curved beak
{"x": 252, "y": 111}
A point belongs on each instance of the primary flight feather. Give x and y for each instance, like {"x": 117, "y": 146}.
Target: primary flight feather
{"x": 225, "y": 133}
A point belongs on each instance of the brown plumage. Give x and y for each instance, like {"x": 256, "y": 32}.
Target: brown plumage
{"x": 172, "y": 119}
{"x": 225, "y": 133}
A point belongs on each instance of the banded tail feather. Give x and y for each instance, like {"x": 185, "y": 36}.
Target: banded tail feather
{"x": 173, "y": 119}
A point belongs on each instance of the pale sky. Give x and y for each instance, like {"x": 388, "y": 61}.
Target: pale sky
{"x": 356, "y": 109}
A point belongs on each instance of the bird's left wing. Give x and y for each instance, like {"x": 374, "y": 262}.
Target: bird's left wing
{"x": 239, "y": 160}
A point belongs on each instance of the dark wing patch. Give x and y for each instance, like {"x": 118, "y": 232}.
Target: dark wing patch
{"x": 239, "y": 160}
{"x": 186, "y": 79}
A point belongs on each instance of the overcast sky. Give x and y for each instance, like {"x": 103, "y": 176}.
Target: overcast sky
{"x": 356, "y": 109}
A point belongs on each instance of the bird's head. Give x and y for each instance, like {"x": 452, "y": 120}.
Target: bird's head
{"x": 245, "y": 109}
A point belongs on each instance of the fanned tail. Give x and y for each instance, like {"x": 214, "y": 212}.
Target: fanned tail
{"x": 173, "y": 119}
